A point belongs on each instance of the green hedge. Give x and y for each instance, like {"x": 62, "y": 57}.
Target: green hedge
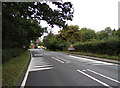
{"x": 7, "y": 54}
{"x": 56, "y": 45}
{"x": 109, "y": 47}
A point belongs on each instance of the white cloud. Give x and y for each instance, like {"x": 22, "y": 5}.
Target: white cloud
{"x": 94, "y": 14}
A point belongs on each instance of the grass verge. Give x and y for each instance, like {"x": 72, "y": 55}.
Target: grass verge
{"x": 95, "y": 55}
{"x": 91, "y": 54}
{"x": 12, "y": 70}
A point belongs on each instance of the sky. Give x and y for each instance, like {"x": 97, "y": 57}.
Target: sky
{"x": 93, "y": 14}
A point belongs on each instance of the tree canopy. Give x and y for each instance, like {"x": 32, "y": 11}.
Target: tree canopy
{"x": 21, "y": 20}
{"x": 74, "y": 34}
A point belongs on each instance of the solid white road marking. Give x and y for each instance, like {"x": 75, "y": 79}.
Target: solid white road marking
{"x": 25, "y": 78}
{"x": 26, "y": 75}
{"x": 36, "y": 64}
{"x": 57, "y": 59}
{"x": 93, "y": 62}
{"x": 43, "y": 66}
{"x": 103, "y": 76}
{"x": 84, "y": 70}
{"x": 37, "y": 69}
{"x": 95, "y": 79}
{"x": 38, "y": 54}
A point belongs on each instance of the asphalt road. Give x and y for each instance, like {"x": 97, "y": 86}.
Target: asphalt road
{"x": 48, "y": 68}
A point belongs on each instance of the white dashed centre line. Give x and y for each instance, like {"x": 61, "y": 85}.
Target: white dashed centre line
{"x": 57, "y": 59}
{"x": 103, "y": 76}
{"x": 64, "y": 60}
{"x": 94, "y": 79}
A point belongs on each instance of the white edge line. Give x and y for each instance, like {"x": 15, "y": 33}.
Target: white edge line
{"x": 103, "y": 76}
{"x": 94, "y": 60}
{"x": 26, "y": 75}
{"x": 95, "y": 79}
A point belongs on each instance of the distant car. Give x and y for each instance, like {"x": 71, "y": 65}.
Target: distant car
{"x": 39, "y": 47}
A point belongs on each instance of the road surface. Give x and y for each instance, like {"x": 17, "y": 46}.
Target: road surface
{"x": 49, "y": 68}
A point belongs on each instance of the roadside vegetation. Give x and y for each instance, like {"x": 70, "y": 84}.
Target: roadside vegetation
{"x": 103, "y": 43}
{"x": 21, "y": 25}
{"x": 95, "y": 55}
{"x": 13, "y": 69}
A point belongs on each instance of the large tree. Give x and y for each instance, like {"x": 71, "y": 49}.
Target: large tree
{"x": 102, "y": 35}
{"x": 88, "y": 34}
{"x": 71, "y": 33}
{"x": 40, "y": 11}
{"x": 21, "y": 20}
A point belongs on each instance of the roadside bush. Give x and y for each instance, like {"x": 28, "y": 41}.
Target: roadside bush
{"x": 7, "y": 54}
{"x": 109, "y": 47}
{"x": 59, "y": 44}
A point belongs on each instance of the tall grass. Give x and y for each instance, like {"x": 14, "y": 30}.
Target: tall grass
{"x": 12, "y": 69}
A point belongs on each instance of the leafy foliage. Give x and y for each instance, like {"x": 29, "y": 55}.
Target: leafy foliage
{"x": 40, "y": 43}
{"x": 21, "y": 21}
{"x": 71, "y": 33}
{"x": 117, "y": 33}
{"x": 87, "y": 34}
{"x": 109, "y": 47}
{"x": 102, "y": 35}
{"x": 7, "y": 54}
{"x": 86, "y": 40}
{"x": 52, "y": 43}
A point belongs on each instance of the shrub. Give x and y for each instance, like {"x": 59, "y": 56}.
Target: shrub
{"x": 109, "y": 46}
{"x": 7, "y": 54}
